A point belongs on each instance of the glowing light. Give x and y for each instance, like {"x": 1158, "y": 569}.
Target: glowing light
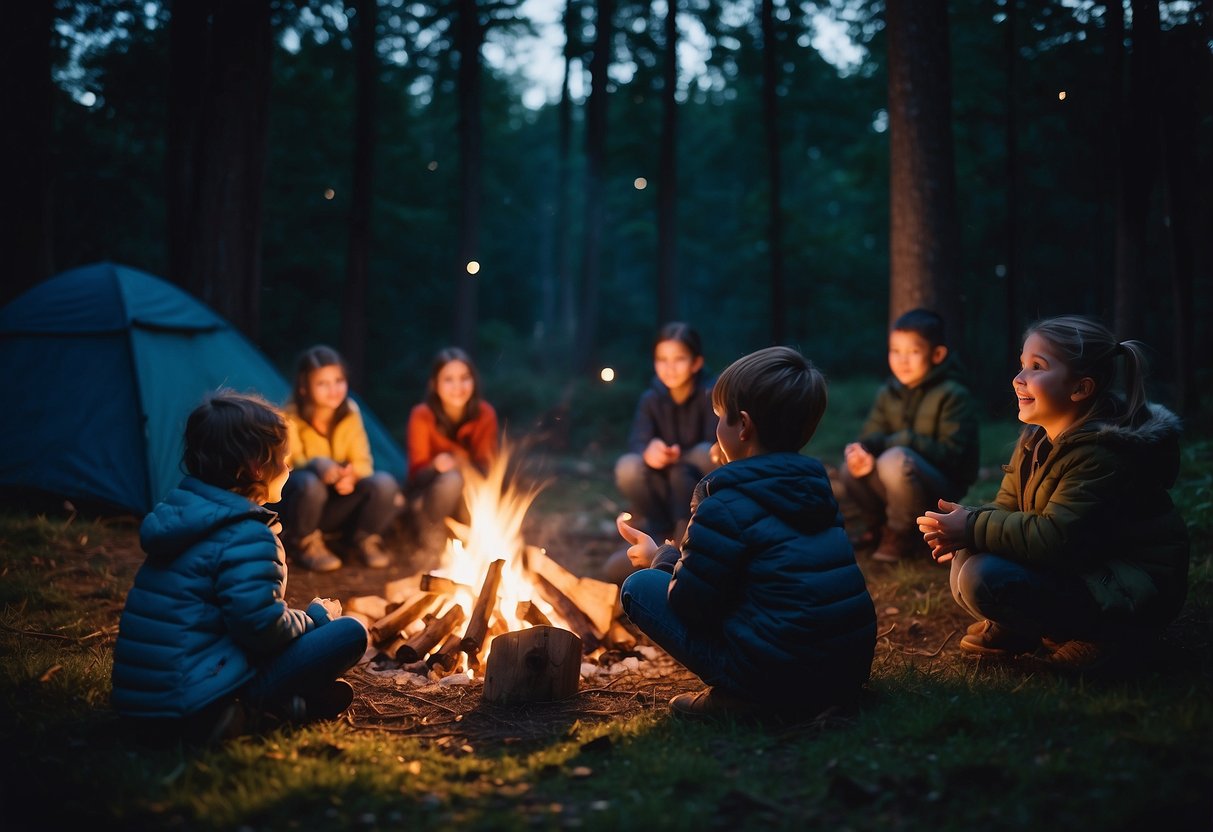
{"x": 1061, "y": 96}
{"x": 473, "y": 267}
{"x": 607, "y": 374}
{"x": 640, "y": 183}
{"x": 432, "y": 166}
{"x": 329, "y": 193}
{"x": 88, "y": 99}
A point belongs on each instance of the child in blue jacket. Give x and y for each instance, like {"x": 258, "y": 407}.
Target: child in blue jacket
{"x": 764, "y": 602}
{"x": 206, "y": 635}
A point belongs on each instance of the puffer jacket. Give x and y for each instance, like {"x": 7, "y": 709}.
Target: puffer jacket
{"x": 937, "y": 418}
{"x": 766, "y": 564}
{"x": 658, "y": 416}
{"x": 206, "y": 603}
{"x": 1097, "y": 506}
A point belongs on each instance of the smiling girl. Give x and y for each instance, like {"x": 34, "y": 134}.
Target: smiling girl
{"x": 453, "y": 426}
{"x": 1082, "y": 554}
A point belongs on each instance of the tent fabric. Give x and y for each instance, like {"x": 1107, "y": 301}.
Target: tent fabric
{"x": 109, "y": 361}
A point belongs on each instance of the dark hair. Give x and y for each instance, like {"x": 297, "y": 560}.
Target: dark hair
{"x": 235, "y": 442}
{"x": 309, "y": 361}
{"x": 782, "y": 391}
{"x": 472, "y": 410}
{"x": 1089, "y": 350}
{"x": 684, "y": 334}
{"x": 925, "y": 323}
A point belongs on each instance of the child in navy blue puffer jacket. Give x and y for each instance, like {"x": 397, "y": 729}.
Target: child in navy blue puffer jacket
{"x": 206, "y": 636}
{"x": 764, "y": 602}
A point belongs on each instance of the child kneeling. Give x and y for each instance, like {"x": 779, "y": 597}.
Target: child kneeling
{"x": 206, "y": 622}
{"x": 764, "y": 602}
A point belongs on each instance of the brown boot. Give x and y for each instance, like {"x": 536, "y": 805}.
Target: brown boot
{"x": 314, "y": 554}
{"x": 373, "y": 553}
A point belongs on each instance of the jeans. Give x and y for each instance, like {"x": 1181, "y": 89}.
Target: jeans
{"x": 661, "y": 497}
{"x": 308, "y": 663}
{"x": 308, "y": 504}
{"x": 900, "y": 488}
{"x": 645, "y": 598}
{"x": 1026, "y": 600}
{"x": 440, "y": 496}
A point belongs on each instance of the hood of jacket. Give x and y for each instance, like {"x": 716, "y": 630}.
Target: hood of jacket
{"x": 1151, "y": 445}
{"x": 789, "y": 486}
{"x": 191, "y": 513}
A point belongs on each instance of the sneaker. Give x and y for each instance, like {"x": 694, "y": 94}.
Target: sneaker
{"x": 1076, "y": 656}
{"x": 897, "y": 545}
{"x": 372, "y": 552}
{"x": 314, "y": 554}
{"x": 711, "y": 703}
{"x": 326, "y": 702}
{"x": 985, "y": 638}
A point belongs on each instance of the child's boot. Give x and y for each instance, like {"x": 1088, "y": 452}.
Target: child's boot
{"x": 985, "y": 638}
{"x": 314, "y": 554}
{"x": 373, "y": 553}
{"x": 894, "y": 546}
{"x": 712, "y": 703}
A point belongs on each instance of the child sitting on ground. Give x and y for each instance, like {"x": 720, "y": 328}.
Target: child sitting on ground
{"x": 1082, "y": 555}
{"x": 919, "y": 443}
{"x": 206, "y": 630}
{"x": 764, "y": 602}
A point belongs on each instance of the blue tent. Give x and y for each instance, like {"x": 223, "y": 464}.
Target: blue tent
{"x": 104, "y": 363}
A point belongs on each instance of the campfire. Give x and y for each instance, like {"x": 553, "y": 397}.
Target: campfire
{"x": 497, "y": 610}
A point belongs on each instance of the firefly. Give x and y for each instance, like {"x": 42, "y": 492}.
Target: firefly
{"x": 640, "y": 183}
{"x": 329, "y": 193}
{"x": 607, "y": 374}
{"x": 473, "y": 267}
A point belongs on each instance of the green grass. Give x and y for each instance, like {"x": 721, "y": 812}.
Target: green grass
{"x": 942, "y": 743}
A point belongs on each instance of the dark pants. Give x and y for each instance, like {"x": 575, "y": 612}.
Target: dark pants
{"x": 900, "y": 488}
{"x": 1026, "y": 600}
{"x": 660, "y": 498}
{"x": 308, "y": 504}
{"x": 308, "y": 663}
{"x": 436, "y": 497}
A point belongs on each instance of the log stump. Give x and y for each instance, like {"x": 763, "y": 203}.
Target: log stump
{"x": 541, "y": 664}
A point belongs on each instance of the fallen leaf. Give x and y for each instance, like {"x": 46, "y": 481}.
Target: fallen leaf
{"x": 50, "y": 673}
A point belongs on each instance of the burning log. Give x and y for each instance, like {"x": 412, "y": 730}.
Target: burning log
{"x": 486, "y": 601}
{"x": 440, "y": 585}
{"x": 541, "y": 664}
{"x": 418, "y": 645}
{"x": 570, "y": 612}
{"x": 531, "y": 614}
{"x": 597, "y": 600}
{"x": 446, "y": 657}
{"x": 387, "y": 627}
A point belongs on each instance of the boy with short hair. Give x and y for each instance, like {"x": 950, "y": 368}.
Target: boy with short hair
{"x": 920, "y": 440}
{"x": 764, "y": 602}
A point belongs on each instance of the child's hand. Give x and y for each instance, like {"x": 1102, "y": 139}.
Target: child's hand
{"x": 944, "y": 532}
{"x": 444, "y": 462}
{"x": 642, "y": 549}
{"x": 346, "y": 480}
{"x": 333, "y": 607}
{"x": 657, "y": 454}
{"x": 859, "y": 461}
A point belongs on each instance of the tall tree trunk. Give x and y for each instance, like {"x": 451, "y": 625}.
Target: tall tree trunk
{"x": 1140, "y": 147}
{"x": 1114, "y": 119}
{"x": 595, "y": 162}
{"x": 924, "y": 228}
{"x": 357, "y": 261}
{"x": 469, "y": 38}
{"x": 25, "y": 56}
{"x": 667, "y": 183}
{"x": 220, "y": 65}
{"x": 567, "y": 297}
{"x": 770, "y": 123}
{"x": 1011, "y": 274}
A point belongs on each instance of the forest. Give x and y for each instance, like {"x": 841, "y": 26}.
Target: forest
{"x": 386, "y": 177}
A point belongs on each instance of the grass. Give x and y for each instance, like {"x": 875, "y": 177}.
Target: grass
{"x": 942, "y": 743}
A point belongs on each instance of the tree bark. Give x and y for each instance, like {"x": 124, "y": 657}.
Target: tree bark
{"x": 219, "y": 100}
{"x": 469, "y": 38}
{"x": 924, "y": 228}
{"x": 770, "y": 122}
{"x": 1140, "y": 147}
{"x": 25, "y": 47}
{"x": 1011, "y": 273}
{"x": 567, "y": 297}
{"x": 667, "y": 184}
{"x": 595, "y": 210}
{"x": 357, "y": 261}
